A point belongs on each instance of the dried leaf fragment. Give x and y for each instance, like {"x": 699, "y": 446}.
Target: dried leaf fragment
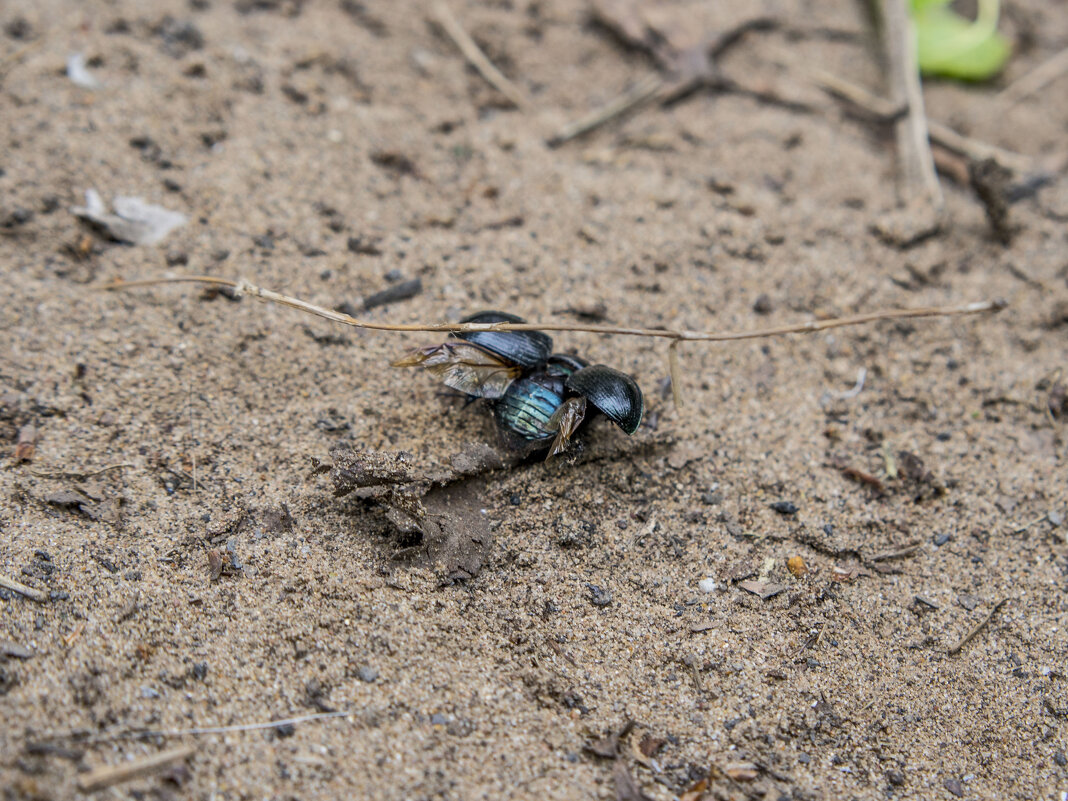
{"x": 27, "y": 443}
{"x": 741, "y": 771}
{"x": 765, "y": 589}
{"x": 133, "y": 220}
{"x": 627, "y": 789}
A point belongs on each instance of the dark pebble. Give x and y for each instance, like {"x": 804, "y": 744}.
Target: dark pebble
{"x": 394, "y": 275}
{"x": 762, "y": 305}
{"x": 367, "y": 674}
{"x": 357, "y": 244}
{"x": 804, "y": 759}
{"x": 1059, "y": 759}
{"x": 177, "y": 258}
{"x": 598, "y": 596}
{"x": 895, "y": 777}
{"x": 285, "y": 730}
{"x": 784, "y": 507}
{"x": 438, "y": 719}
{"x": 944, "y": 436}
{"x": 712, "y": 497}
{"x": 200, "y": 670}
{"x": 954, "y": 786}
{"x": 394, "y": 294}
{"x": 941, "y": 539}
{"x": 828, "y": 529}
{"x": 16, "y": 217}
{"x": 730, "y": 724}
{"x": 19, "y": 29}
{"x": 265, "y": 241}
{"x": 171, "y": 185}
{"x": 221, "y": 255}
{"x": 58, "y": 595}
{"x": 515, "y": 500}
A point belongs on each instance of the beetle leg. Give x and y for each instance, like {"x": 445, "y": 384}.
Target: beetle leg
{"x": 565, "y": 420}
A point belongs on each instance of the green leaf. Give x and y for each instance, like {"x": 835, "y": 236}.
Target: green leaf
{"x": 951, "y": 46}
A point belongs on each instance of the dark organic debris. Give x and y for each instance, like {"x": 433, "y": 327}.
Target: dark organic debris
{"x": 396, "y": 163}
{"x": 393, "y": 294}
{"x": 991, "y": 182}
{"x": 785, "y": 508}
{"x": 925, "y": 485}
{"x": 607, "y": 747}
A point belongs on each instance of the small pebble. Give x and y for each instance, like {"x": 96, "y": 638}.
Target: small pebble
{"x": 1056, "y": 518}
{"x": 784, "y": 507}
{"x": 367, "y": 674}
{"x": 895, "y": 777}
{"x": 712, "y": 497}
{"x": 598, "y": 596}
{"x": 1059, "y": 758}
{"x": 285, "y": 730}
{"x": 438, "y": 719}
{"x": 796, "y": 565}
{"x": 707, "y": 585}
{"x": 762, "y": 304}
{"x": 940, "y": 539}
{"x": 149, "y": 692}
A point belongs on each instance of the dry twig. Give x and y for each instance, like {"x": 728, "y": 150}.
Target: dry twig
{"x": 153, "y": 734}
{"x": 17, "y": 586}
{"x": 643, "y": 91}
{"x": 982, "y": 624}
{"x": 1035, "y": 80}
{"x": 476, "y": 58}
{"x": 109, "y": 775}
{"x": 245, "y": 288}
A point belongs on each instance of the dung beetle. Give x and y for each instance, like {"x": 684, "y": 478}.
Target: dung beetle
{"x": 539, "y": 399}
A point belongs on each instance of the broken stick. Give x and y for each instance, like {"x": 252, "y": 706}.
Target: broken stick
{"x": 109, "y": 775}
{"x": 982, "y": 624}
{"x": 476, "y": 58}
{"x": 16, "y": 586}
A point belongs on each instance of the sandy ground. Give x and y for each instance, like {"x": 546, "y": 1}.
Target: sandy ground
{"x": 327, "y": 149}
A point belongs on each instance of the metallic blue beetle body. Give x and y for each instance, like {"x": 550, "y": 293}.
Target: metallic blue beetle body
{"x": 539, "y": 399}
